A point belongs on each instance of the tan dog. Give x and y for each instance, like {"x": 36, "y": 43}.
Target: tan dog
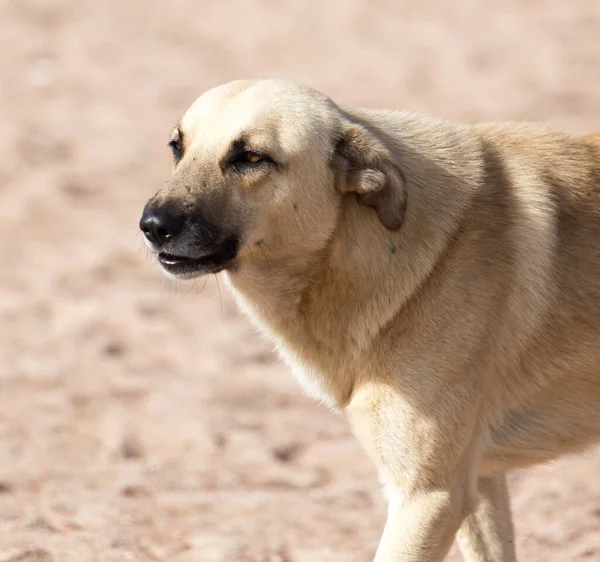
{"x": 438, "y": 283}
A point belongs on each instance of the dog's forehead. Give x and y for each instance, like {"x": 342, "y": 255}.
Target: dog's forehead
{"x": 273, "y": 108}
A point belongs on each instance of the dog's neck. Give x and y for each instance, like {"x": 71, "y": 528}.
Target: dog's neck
{"x": 327, "y": 311}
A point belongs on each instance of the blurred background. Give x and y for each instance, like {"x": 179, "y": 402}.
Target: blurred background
{"x": 145, "y": 420}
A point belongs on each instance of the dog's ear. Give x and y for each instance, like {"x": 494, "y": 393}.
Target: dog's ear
{"x": 364, "y": 166}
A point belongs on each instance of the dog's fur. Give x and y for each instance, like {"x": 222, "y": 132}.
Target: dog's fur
{"x": 437, "y": 283}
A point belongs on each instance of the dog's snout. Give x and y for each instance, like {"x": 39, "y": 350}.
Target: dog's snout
{"x": 160, "y": 224}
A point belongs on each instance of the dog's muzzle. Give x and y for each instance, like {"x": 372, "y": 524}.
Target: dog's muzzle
{"x": 187, "y": 246}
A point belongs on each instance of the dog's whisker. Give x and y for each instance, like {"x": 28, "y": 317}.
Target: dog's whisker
{"x": 220, "y": 296}
{"x": 203, "y": 285}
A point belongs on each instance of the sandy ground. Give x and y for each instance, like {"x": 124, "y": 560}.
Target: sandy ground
{"x": 142, "y": 420}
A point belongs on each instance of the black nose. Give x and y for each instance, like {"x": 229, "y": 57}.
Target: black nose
{"x": 160, "y": 224}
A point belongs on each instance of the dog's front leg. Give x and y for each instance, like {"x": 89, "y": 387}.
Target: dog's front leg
{"x": 421, "y": 526}
{"x": 426, "y": 458}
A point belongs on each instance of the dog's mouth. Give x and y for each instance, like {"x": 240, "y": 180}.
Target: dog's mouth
{"x": 187, "y": 267}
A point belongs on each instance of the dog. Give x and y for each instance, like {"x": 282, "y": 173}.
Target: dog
{"x": 437, "y": 283}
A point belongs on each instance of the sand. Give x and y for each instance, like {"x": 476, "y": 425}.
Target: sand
{"x": 144, "y": 420}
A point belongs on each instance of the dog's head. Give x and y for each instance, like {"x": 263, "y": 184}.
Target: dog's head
{"x": 265, "y": 166}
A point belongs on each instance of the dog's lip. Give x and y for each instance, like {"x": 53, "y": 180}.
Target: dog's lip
{"x": 173, "y": 259}
{"x": 176, "y": 260}
{"x": 191, "y": 266}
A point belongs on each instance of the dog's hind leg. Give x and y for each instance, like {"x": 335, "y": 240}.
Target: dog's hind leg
{"x": 487, "y": 534}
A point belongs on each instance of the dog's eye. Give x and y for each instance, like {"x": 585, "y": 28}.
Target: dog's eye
{"x": 177, "y": 148}
{"x": 253, "y": 157}
{"x": 249, "y": 158}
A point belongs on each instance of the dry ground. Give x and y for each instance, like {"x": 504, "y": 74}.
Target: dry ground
{"x": 146, "y": 421}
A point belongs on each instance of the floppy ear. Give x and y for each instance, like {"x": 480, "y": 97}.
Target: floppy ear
{"x": 365, "y": 167}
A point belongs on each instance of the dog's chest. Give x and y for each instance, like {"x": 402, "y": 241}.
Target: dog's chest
{"x": 313, "y": 380}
